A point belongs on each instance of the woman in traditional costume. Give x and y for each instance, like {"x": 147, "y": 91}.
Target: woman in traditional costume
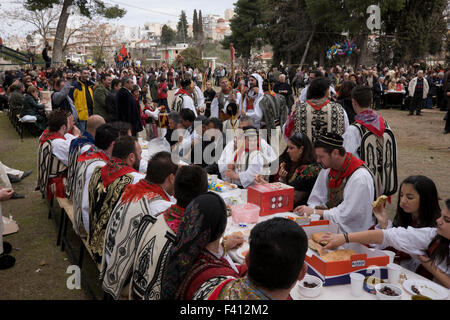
{"x": 431, "y": 246}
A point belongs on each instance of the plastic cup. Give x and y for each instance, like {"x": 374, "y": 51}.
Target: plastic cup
{"x": 391, "y": 255}
{"x": 214, "y": 178}
{"x": 315, "y": 217}
{"x": 357, "y": 280}
{"x": 394, "y": 271}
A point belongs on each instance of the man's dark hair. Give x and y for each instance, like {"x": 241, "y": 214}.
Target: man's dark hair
{"x": 124, "y": 127}
{"x": 103, "y": 76}
{"x": 159, "y": 167}
{"x": 202, "y": 118}
{"x": 318, "y": 88}
{"x": 56, "y": 119}
{"x": 114, "y": 83}
{"x": 185, "y": 83}
{"x": 58, "y": 82}
{"x": 277, "y": 253}
{"x": 123, "y": 146}
{"x": 363, "y": 95}
{"x": 175, "y": 117}
{"x": 187, "y": 115}
{"x": 217, "y": 124}
{"x": 190, "y": 182}
{"x": 125, "y": 80}
{"x": 317, "y": 73}
{"x": 105, "y": 135}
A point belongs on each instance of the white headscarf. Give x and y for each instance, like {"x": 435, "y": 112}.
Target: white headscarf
{"x": 259, "y": 79}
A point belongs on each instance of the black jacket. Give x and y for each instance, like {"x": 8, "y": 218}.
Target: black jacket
{"x": 128, "y": 110}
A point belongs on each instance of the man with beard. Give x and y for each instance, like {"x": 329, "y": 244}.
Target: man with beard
{"x": 344, "y": 190}
{"x": 254, "y": 95}
{"x": 106, "y": 186}
{"x": 226, "y": 96}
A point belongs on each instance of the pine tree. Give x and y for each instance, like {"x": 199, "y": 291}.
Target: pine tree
{"x": 182, "y": 34}
{"x": 195, "y": 26}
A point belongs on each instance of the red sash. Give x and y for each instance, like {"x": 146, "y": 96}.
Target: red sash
{"x": 351, "y": 163}
{"x": 135, "y": 192}
{"x": 114, "y": 169}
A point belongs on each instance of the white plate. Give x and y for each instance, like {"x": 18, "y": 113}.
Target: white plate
{"x": 426, "y": 288}
{"x": 243, "y": 248}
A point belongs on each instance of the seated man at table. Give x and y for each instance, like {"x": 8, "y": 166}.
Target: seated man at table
{"x": 150, "y": 196}
{"x": 246, "y": 156}
{"x": 106, "y": 186}
{"x": 59, "y": 124}
{"x": 97, "y": 156}
{"x": 80, "y": 145}
{"x": 275, "y": 261}
{"x": 159, "y": 232}
{"x": 344, "y": 189}
{"x": 370, "y": 139}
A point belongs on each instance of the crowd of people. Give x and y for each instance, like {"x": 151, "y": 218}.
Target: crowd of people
{"x": 153, "y": 226}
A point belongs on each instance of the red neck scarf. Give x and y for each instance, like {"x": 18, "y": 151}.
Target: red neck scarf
{"x": 135, "y": 192}
{"x": 48, "y": 136}
{"x": 93, "y": 153}
{"x": 351, "y": 163}
{"x": 318, "y": 107}
{"x": 372, "y": 121}
{"x": 114, "y": 169}
{"x": 173, "y": 216}
{"x": 182, "y": 91}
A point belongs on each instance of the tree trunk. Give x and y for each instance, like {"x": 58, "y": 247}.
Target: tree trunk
{"x": 307, "y": 47}
{"x": 60, "y": 31}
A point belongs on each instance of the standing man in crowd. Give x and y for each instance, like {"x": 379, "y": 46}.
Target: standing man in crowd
{"x": 127, "y": 106}
{"x": 418, "y": 92}
{"x": 83, "y": 98}
{"x": 101, "y": 92}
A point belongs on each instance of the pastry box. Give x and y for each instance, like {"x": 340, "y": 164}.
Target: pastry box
{"x": 271, "y": 197}
{"x": 335, "y": 269}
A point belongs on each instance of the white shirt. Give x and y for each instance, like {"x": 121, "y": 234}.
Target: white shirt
{"x": 304, "y": 93}
{"x": 256, "y": 114}
{"x": 153, "y": 114}
{"x": 413, "y": 241}
{"x": 215, "y": 104}
{"x": 355, "y": 212}
{"x": 188, "y": 103}
{"x": 61, "y": 147}
{"x": 200, "y": 97}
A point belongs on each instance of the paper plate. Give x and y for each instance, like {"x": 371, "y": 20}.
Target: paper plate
{"x": 426, "y": 288}
{"x": 242, "y": 250}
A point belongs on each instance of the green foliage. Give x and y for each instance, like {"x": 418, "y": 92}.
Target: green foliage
{"x": 248, "y": 27}
{"x": 167, "y": 35}
{"x": 182, "y": 26}
{"x": 192, "y": 58}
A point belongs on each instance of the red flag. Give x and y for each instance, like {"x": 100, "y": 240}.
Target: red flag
{"x": 232, "y": 52}
{"x": 123, "y": 51}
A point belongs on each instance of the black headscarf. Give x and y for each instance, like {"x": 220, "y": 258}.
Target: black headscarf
{"x": 204, "y": 221}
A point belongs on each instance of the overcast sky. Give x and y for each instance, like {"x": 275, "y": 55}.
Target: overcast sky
{"x": 141, "y": 11}
{"x": 138, "y": 12}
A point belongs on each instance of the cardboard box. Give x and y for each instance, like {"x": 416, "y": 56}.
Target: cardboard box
{"x": 271, "y": 197}
{"x": 368, "y": 262}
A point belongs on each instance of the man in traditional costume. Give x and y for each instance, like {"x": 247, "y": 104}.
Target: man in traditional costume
{"x": 58, "y": 139}
{"x": 254, "y": 95}
{"x": 344, "y": 189}
{"x": 106, "y": 186}
{"x": 371, "y": 140}
{"x": 246, "y": 156}
{"x": 318, "y": 115}
{"x": 183, "y": 97}
{"x": 157, "y": 233}
{"x": 97, "y": 156}
{"x": 226, "y": 96}
{"x": 79, "y": 146}
{"x": 150, "y": 196}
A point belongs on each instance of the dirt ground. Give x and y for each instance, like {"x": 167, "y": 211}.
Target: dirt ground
{"x": 40, "y": 269}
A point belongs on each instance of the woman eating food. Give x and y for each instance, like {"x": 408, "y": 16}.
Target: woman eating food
{"x": 431, "y": 246}
{"x": 417, "y": 207}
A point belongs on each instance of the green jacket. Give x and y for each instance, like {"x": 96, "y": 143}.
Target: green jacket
{"x": 31, "y": 107}
{"x": 100, "y": 95}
